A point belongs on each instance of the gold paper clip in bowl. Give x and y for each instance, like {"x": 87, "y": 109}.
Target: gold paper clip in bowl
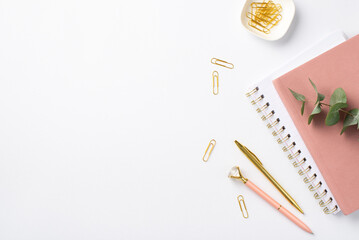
{"x": 243, "y": 208}
{"x": 222, "y": 63}
{"x": 209, "y": 150}
{"x": 265, "y": 19}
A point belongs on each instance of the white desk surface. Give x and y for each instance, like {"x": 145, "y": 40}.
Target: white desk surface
{"x": 106, "y": 110}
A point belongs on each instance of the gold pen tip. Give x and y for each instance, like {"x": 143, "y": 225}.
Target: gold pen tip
{"x": 238, "y": 144}
{"x": 298, "y": 208}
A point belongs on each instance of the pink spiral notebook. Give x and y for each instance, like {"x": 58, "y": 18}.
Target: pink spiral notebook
{"x": 327, "y": 161}
{"x": 337, "y": 156}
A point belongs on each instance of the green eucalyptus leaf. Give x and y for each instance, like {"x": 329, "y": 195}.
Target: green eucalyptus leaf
{"x": 320, "y": 97}
{"x": 317, "y": 109}
{"x": 338, "y": 96}
{"x": 351, "y": 120}
{"x": 302, "y": 109}
{"x": 297, "y": 96}
{"x": 315, "y": 87}
{"x": 333, "y": 115}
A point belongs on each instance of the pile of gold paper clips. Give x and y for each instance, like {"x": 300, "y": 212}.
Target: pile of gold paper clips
{"x": 264, "y": 15}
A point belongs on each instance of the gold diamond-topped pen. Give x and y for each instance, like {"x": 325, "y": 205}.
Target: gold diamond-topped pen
{"x": 253, "y": 158}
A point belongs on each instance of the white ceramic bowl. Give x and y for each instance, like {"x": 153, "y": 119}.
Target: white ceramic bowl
{"x": 277, "y": 31}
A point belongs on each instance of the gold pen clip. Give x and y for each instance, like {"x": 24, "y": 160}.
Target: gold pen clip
{"x": 244, "y": 208}
{"x": 253, "y": 155}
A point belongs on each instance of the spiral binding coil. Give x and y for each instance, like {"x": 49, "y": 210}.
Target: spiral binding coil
{"x": 268, "y": 115}
{"x": 270, "y": 125}
{"x": 285, "y": 149}
{"x": 308, "y": 180}
{"x": 323, "y": 204}
{"x": 315, "y": 187}
{"x": 302, "y": 172}
{"x": 319, "y": 196}
{"x": 294, "y": 154}
{"x": 330, "y": 211}
{"x": 297, "y": 164}
{"x": 282, "y": 140}
{"x": 262, "y": 108}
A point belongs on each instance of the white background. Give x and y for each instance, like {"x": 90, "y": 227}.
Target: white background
{"x": 106, "y": 110}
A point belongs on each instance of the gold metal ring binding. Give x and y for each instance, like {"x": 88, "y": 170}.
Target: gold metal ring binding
{"x": 292, "y": 156}
{"x": 268, "y": 115}
{"x": 252, "y": 92}
{"x": 257, "y": 99}
{"x": 308, "y": 180}
{"x": 315, "y": 187}
{"x": 285, "y": 148}
{"x": 222, "y": 63}
{"x": 302, "y": 172}
{"x": 282, "y": 140}
{"x": 275, "y": 133}
{"x": 297, "y": 164}
{"x": 270, "y": 125}
{"x": 327, "y": 211}
{"x": 319, "y": 196}
{"x": 262, "y": 108}
{"x": 323, "y": 204}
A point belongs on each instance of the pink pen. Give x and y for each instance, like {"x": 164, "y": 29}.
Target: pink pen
{"x": 236, "y": 173}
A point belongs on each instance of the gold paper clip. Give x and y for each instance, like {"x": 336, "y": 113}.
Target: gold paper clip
{"x": 215, "y": 82}
{"x": 222, "y": 63}
{"x": 241, "y": 202}
{"x": 209, "y": 150}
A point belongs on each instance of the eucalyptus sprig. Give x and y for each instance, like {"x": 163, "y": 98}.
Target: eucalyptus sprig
{"x": 337, "y": 104}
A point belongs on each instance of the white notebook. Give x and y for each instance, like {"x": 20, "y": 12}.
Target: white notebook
{"x": 269, "y": 105}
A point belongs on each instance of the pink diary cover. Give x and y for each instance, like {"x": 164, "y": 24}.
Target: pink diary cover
{"x": 337, "y": 156}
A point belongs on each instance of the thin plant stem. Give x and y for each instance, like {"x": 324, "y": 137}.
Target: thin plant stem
{"x": 344, "y": 111}
{"x": 328, "y": 105}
